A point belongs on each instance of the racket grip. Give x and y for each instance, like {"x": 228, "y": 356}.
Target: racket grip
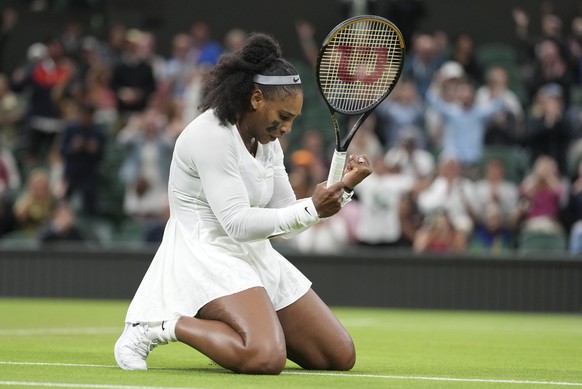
{"x": 336, "y": 170}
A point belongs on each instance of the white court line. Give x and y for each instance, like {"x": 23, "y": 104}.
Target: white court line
{"x": 87, "y": 386}
{"x": 449, "y": 379}
{"x": 61, "y": 331}
{"x": 308, "y": 373}
{"x": 54, "y": 364}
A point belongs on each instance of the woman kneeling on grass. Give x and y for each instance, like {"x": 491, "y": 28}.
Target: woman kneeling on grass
{"x": 216, "y": 283}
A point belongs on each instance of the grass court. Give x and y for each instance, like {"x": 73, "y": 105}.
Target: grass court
{"x": 69, "y": 344}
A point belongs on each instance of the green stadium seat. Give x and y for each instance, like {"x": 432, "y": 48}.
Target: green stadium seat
{"x": 496, "y": 53}
{"x": 531, "y": 242}
{"x": 130, "y": 233}
{"x": 19, "y": 239}
{"x": 96, "y": 229}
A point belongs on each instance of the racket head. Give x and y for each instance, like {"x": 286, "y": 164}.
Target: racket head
{"x": 359, "y": 64}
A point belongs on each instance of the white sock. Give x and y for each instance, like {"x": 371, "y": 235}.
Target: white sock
{"x": 170, "y": 329}
{"x": 163, "y": 331}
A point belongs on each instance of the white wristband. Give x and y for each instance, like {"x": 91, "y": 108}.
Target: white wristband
{"x": 346, "y": 197}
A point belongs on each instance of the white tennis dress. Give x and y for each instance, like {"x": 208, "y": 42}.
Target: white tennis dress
{"x": 224, "y": 204}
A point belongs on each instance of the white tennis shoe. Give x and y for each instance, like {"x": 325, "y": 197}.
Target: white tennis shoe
{"x": 136, "y": 342}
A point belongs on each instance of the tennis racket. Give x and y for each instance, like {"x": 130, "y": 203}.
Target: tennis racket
{"x": 358, "y": 65}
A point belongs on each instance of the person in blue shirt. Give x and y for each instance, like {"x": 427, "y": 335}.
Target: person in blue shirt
{"x": 464, "y": 123}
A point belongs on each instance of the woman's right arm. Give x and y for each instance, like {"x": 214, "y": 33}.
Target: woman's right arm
{"x": 215, "y": 156}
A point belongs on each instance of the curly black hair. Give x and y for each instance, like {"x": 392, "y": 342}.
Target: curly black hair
{"x": 230, "y": 84}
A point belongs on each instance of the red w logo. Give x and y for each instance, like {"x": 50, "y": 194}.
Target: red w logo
{"x": 359, "y": 69}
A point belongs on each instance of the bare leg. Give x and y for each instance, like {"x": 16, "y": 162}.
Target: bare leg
{"x": 240, "y": 332}
{"x": 315, "y": 338}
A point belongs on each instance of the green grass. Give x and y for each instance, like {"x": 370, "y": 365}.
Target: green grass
{"x": 69, "y": 343}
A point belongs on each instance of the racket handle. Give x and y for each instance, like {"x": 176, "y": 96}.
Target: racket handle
{"x": 336, "y": 170}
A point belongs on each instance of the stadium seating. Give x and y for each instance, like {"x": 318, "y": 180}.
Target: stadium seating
{"x": 530, "y": 242}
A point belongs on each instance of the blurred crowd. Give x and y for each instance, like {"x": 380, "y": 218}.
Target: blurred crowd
{"x": 478, "y": 148}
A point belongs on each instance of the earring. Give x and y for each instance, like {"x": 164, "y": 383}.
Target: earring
{"x": 254, "y": 108}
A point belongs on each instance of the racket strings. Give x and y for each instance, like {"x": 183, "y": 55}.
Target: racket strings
{"x": 360, "y": 64}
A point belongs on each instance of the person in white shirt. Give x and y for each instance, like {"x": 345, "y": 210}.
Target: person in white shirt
{"x": 413, "y": 161}
{"x": 379, "y": 198}
{"x": 452, "y": 193}
{"x": 216, "y": 283}
{"x": 495, "y": 189}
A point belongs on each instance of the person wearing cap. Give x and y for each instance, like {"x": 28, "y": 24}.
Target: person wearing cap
{"x": 216, "y": 283}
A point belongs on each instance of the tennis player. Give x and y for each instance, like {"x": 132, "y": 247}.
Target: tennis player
{"x": 216, "y": 283}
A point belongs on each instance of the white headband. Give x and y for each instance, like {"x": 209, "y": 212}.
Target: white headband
{"x": 277, "y": 80}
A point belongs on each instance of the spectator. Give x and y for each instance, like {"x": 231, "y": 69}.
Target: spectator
{"x": 550, "y": 67}
{"x": 114, "y": 46}
{"x": 494, "y": 191}
{"x": 101, "y": 96}
{"x": 234, "y": 39}
{"x": 551, "y": 29}
{"x": 147, "y": 50}
{"x": 331, "y": 236}
{"x": 9, "y": 173}
{"x": 89, "y": 55}
{"x": 82, "y": 150}
{"x": 179, "y": 68}
{"x": 203, "y": 50}
{"x": 464, "y": 54}
{"x": 464, "y": 124}
{"x": 410, "y": 218}
{"x": 404, "y": 109}
{"x": 548, "y": 130}
{"x": 33, "y": 207}
{"x": 491, "y": 234}
{"x": 44, "y": 117}
{"x": 72, "y": 37}
{"x": 379, "y": 198}
{"x": 366, "y": 141}
{"x": 454, "y": 194}
{"x": 133, "y": 78}
{"x": 146, "y": 165}
{"x": 506, "y": 127}
{"x": 451, "y": 73}
{"x": 11, "y": 113}
{"x": 193, "y": 92}
{"x": 413, "y": 161}
{"x": 438, "y": 235}
{"x": 61, "y": 227}
{"x": 305, "y": 172}
{"x": 422, "y": 62}
{"x": 541, "y": 193}
{"x": 312, "y": 142}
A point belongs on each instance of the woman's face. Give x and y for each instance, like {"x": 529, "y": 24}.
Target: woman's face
{"x": 274, "y": 118}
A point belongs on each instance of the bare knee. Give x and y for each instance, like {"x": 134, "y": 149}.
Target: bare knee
{"x": 343, "y": 357}
{"x": 268, "y": 359}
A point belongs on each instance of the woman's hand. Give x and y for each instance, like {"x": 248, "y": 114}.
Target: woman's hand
{"x": 357, "y": 169}
{"x": 327, "y": 201}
